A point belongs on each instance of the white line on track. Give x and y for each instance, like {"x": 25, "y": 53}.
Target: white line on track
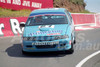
{"x": 9, "y": 37}
{"x": 87, "y": 58}
{"x": 83, "y": 28}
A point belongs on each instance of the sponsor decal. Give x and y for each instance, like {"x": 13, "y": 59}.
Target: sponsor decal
{"x": 46, "y": 26}
{"x": 15, "y": 26}
{"x": 26, "y": 4}
{"x": 53, "y": 32}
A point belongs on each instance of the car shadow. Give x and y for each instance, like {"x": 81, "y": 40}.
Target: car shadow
{"x": 16, "y": 51}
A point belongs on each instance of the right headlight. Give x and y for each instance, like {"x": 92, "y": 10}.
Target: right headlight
{"x": 65, "y": 36}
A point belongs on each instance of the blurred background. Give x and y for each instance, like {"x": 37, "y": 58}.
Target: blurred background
{"x": 74, "y": 6}
{"x": 93, "y": 5}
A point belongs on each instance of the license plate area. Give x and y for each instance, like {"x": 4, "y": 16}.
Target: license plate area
{"x": 45, "y": 43}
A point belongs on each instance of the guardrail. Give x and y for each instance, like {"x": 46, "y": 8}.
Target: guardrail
{"x": 10, "y": 26}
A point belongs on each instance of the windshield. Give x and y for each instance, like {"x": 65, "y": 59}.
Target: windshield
{"x": 46, "y": 20}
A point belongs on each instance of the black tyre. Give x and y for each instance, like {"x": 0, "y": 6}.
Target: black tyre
{"x": 71, "y": 50}
{"x": 74, "y": 42}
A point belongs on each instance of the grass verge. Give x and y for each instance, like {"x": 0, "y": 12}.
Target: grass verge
{"x": 21, "y": 13}
{"x": 12, "y": 13}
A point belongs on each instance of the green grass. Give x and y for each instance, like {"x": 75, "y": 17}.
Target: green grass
{"x": 11, "y": 13}
{"x": 85, "y": 11}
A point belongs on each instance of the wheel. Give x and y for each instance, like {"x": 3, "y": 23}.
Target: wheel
{"x": 71, "y": 51}
{"x": 74, "y": 42}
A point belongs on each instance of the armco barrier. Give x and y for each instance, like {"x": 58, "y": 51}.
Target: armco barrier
{"x": 97, "y": 19}
{"x": 83, "y": 19}
{"x": 10, "y": 26}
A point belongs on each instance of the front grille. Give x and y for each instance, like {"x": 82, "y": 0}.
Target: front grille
{"x": 29, "y": 46}
{"x": 45, "y": 38}
{"x": 45, "y": 46}
{"x": 41, "y": 38}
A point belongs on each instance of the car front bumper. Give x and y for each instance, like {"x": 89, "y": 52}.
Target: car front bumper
{"x": 59, "y": 45}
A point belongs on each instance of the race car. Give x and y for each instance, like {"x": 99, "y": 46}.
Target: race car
{"x": 47, "y": 30}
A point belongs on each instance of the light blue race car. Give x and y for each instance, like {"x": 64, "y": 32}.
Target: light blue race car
{"x": 47, "y": 30}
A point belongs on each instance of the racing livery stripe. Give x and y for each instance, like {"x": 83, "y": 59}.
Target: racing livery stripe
{"x": 46, "y": 13}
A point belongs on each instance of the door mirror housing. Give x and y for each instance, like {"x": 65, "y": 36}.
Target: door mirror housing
{"x": 22, "y": 24}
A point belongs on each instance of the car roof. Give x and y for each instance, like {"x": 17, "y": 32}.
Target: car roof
{"x": 48, "y": 10}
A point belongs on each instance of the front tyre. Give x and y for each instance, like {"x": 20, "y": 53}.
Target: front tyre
{"x": 74, "y": 42}
{"x": 71, "y": 50}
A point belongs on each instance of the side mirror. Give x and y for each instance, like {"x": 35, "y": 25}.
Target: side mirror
{"x": 22, "y": 24}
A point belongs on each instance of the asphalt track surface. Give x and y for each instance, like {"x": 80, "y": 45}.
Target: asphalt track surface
{"x": 88, "y": 42}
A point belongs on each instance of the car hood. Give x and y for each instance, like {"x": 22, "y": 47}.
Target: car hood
{"x": 45, "y": 30}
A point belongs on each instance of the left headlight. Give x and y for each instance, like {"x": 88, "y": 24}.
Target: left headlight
{"x": 61, "y": 37}
{"x": 29, "y": 38}
{"x": 25, "y": 38}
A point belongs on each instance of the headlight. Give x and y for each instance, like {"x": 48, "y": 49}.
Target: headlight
{"x": 61, "y": 37}
{"x": 29, "y": 38}
{"x": 65, "y": 36}
{"x": 25, "y": 38}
